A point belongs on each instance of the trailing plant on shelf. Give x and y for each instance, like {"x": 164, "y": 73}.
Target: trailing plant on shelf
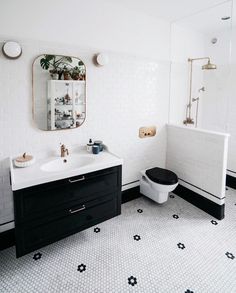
{"x": 78, "y": 72}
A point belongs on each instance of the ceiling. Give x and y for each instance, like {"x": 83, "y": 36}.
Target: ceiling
{"x": 171, "y": 10}
{"x": 209, "y": 21}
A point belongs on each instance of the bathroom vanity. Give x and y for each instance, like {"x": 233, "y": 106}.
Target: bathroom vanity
{"x": 51, "y": 203}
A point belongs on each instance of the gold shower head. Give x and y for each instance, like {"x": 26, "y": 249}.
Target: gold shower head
{"x": 209, "y": 66}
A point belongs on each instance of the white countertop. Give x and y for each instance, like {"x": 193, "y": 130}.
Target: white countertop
{"x": 34, "y": 175}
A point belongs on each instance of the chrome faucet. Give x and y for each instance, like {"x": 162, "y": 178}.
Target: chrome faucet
{"x": 64, "y": 151}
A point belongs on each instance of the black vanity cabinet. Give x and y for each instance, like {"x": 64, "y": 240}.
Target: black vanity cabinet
{"x": 48, "y": 212}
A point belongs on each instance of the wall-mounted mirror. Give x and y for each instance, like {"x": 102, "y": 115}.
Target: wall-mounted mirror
{"x": 59, "y": 92}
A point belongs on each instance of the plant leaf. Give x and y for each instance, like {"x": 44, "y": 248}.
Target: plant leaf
{"x": 67, "y": 58}
{"x": 44, "y": 63}
{"x": 49, "y": 57}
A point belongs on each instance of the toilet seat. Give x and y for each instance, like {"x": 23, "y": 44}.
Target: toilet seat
{"x": 162, "y": 176}
{"x": 156, "y": 183}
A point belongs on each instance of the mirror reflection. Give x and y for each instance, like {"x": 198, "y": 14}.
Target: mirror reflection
{"x": 59, "y": 92}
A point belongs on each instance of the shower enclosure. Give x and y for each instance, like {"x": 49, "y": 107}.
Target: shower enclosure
{"x": 208, "y": 33}
{"x": 200, "y": 97}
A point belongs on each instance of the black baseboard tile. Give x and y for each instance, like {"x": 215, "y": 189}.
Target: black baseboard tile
{"x": 7, "y": 239}
{"x": 231, "y": 181}
{"x": 130, "y": 194}
{"x": 208, "y": 206}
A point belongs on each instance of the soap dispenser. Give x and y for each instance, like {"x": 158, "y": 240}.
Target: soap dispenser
{"x": 90, "y": 146}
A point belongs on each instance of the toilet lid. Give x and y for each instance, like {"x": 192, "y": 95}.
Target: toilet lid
{"x": 162, "y": 176}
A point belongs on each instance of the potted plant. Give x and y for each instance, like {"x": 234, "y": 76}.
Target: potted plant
{"x": 82, "y": 70}
{"x": 55, "y": 64}
{"x": 66, "y": 73}
{"x": 75, "y": 73}
{"x": 78, "y": 72}
{"x": 55, "y": 74}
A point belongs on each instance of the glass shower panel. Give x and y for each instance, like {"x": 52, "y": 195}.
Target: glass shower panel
{"x": 202, "y": 95}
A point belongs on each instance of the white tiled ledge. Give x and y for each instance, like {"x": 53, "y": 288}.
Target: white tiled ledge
{"x": 199, "y": 130}
{"x": 33, "y": 175}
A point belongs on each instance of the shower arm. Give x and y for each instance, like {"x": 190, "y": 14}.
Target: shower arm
{"x": 202, "y": 58}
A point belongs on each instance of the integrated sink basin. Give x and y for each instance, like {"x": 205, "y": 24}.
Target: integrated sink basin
{"x": 53, "y": 168}
{"x": 70, "y": 162}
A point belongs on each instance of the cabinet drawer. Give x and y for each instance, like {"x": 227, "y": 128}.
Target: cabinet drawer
{"x": 49, "y": 198}
{"x": 34, "y": 237}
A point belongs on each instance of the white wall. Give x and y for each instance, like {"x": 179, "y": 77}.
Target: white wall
{"x": 216, "y": 97}
{"x": 219, "y": 101}
{"x": 131, "y": 91}
{"x": 97, "y": 24}
{"x": 185, "y": 43}
{"x": 199, "y": 158}
{"x": 231, "y": 121}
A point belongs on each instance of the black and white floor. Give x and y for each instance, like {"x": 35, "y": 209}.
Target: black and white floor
{"x": 149, "y": 248}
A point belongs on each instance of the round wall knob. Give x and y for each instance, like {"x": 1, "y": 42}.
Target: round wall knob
{"x": 12, "y": 50}
{"x": 102, "y": 59}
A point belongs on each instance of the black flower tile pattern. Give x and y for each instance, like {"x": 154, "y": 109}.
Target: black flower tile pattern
{"x": 132, "y": 281}
{"x": 89, "y": 259}
{"x": 81, "y": 268}
{"x": 37, "y": 256}
{"x": 97, "y": 230}
{"x": 175, "y": 216}
{"x": 172, "y": 196}
{"x": 181, "y": 245}
{"x": 230, "y": 255}
{"x": 137, "y": 237}
{"x": 214, "y": 222}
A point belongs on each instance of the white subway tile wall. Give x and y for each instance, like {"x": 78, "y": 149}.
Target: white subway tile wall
{"x": 199, "y": 158}
{"x": 181, "y": 50}
{"x": 127, "y": 93}
{"x": 219, "y": 101}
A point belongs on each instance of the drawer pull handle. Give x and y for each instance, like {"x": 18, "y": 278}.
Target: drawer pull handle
{"x": 77, "y": 180}
{"x": 78, "y": 210}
